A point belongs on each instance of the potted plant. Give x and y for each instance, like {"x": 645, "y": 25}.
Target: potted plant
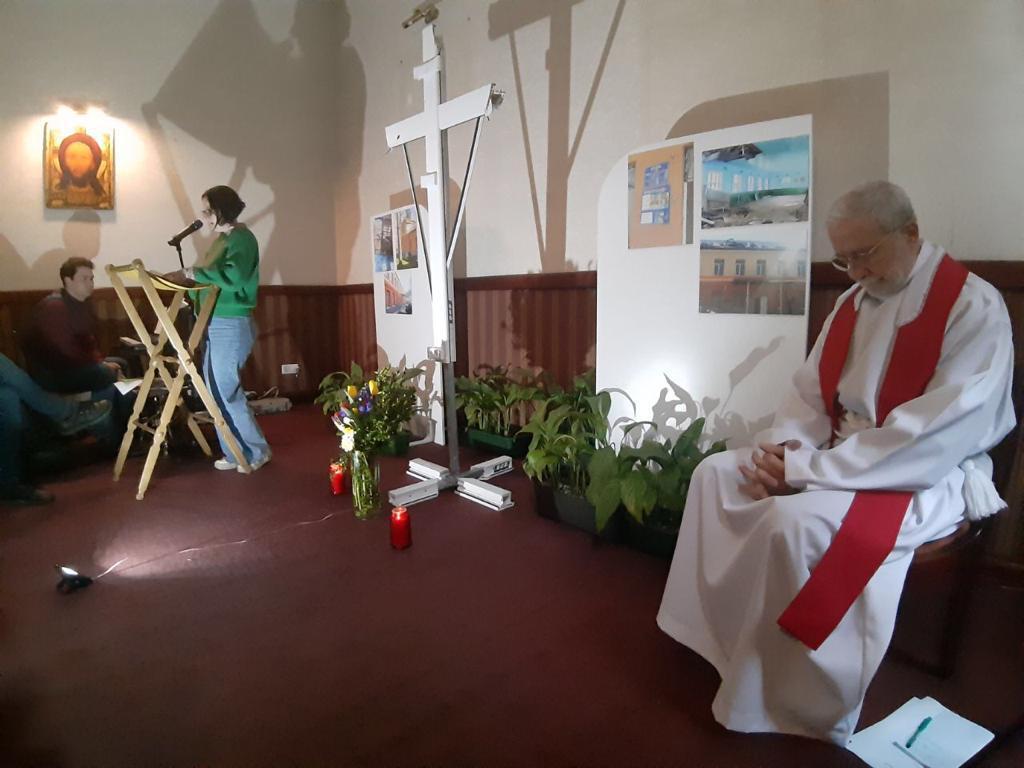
{"x": 565, "y": 432}
{"x": 396, "y": 404}
{"x": 650, "y": 481}
{"x": 490, "y": 402}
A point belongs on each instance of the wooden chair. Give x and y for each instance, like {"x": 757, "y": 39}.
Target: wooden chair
{"x": 936, "y": 598}
{"x": 182, "y": 363}
{"x": 934, "y": 605}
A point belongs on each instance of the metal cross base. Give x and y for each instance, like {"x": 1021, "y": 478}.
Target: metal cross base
{"x": 469, "y": 485}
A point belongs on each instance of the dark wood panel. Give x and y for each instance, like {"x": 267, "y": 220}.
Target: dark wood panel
{"x": 357, "y": 339}
{"x": 530, "y": 321}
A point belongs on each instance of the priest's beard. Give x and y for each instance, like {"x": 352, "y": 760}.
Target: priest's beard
{"x": 882, "y": 288}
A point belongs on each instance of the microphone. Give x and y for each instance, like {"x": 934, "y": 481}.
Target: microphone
{"x": 176, "y": 240}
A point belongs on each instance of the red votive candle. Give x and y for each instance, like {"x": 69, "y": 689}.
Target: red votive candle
{"x": 337, "y": 474}
{"x": 401, "y": 532}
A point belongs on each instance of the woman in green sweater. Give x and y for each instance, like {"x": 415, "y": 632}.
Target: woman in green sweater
{"x": 233, "y": 264}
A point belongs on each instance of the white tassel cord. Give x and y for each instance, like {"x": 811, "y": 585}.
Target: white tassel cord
{"x": 980, "y": 495}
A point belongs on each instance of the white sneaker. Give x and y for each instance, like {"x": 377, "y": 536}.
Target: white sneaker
{"x": 224, "y": 464}
{"x": 257, "y": 463}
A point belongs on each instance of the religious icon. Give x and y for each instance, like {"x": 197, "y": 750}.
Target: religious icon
{"x": 78, "y": 167}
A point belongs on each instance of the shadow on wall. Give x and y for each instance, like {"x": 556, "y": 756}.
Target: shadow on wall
{"x": 81, "y": 237}
{"x": 676, "y": 408}
{"x": 851, "y": 133}
{"x": 276, "y": 110}
{"x": 505, "y": 18}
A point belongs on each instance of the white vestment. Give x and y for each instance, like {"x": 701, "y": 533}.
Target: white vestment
{"x": 739, "y": 562}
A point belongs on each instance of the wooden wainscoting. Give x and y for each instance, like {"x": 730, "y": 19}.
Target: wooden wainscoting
{"x": 528, "y": 321}
{"x": 317, "y": 327}
{"x": 16, "y": 306}
{"x": 358, "y": 328}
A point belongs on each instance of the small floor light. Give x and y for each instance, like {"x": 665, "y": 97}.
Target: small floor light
{"x": 70, "y": 580}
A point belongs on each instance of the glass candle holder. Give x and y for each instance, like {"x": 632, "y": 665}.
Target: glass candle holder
{"x": 401, "y": 528}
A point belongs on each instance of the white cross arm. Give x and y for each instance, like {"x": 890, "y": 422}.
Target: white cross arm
{"x": 454, "y": 112}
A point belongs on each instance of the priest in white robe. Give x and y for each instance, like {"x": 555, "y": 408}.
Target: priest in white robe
{"x": 758, "y": 521}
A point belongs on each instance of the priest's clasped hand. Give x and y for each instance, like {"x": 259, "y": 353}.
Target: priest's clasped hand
{"x": 768, "y": 475}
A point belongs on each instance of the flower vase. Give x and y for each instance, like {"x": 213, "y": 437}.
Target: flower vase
{"x": 365, "y": 480}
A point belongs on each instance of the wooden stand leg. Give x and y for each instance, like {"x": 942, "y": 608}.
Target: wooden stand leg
{"x": 166, "y": 414}
{"x": 133, "y": 421}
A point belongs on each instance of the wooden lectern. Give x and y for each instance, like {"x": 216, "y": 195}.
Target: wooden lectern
{"x": 182, "y": 363}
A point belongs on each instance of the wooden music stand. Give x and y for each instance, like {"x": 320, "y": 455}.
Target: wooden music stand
{"x": 152, "y": 285}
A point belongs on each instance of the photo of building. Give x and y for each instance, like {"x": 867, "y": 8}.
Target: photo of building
{"x": 397, "y": 295}
{"x": 763, "y": 183}
{"x": 752, "y": 277}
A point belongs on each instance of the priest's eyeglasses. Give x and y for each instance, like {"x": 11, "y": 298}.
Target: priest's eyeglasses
{"x": 846, "y": 261}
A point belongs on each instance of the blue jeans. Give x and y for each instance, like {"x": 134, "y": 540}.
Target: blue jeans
{"x": 229, "y": 341}
{"x": 17, "y": 390}
{"x": 99, "y": 380}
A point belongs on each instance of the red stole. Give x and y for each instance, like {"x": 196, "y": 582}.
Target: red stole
{"x": 868, "y": 532}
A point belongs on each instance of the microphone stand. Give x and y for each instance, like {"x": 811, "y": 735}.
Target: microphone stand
{"x": 190, "y": 318}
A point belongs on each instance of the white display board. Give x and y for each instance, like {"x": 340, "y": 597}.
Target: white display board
{"x": 402, "y": 307}
{"x": 723, "y": 340}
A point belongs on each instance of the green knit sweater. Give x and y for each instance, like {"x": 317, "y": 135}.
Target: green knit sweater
{"x": 232, "y": 264}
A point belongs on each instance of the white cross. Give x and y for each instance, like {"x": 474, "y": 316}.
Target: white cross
{"x": 438, "y": 116}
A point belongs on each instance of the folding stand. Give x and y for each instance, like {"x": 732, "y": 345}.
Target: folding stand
{"x": 160, "y": 364}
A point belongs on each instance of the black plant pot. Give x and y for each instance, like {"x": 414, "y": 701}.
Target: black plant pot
{"x": 652, "y": 539}
{"x": 544, "y": 501}
{"x": 579, "y": 513}
{"x": 398, "y": 445}
{"x": 516, "y": 446}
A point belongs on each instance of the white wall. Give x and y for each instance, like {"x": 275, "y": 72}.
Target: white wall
{"x": 956, "y": 102}
{"x": 199, "y": 93}
{"x": 290, "y": 100}
{"x": 653, "y": 342}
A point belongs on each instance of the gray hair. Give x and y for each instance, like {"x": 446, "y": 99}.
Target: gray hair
{"x": 882, "y": 202}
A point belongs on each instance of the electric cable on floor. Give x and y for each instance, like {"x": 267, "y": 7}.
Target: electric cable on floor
{"x": 192, "y": 550}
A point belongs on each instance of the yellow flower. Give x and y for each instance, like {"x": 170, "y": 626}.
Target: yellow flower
{"x": 373, "y": 387}
{"x": 352, "y": 391}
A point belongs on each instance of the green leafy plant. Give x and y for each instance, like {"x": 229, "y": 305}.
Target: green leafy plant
{"x": 332, "y": 392}
{"x": 650, "y": 480}
{"x": 566, "y": 430}
{"x": 491, "y": 398}
{"x": 369, "y": 412}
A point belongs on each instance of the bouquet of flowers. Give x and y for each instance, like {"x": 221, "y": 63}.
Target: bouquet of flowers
{"x": 369, "y": 412}
{"x": 354, "y": 418}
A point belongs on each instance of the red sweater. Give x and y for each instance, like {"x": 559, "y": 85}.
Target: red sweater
{"x": 61, "y": 334}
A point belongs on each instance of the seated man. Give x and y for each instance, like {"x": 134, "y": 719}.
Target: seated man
{"x": 791, "y": 558}
{"x": 18, "y": 391}
{"x": 60, "y": 343}
{"x": 61, "y": 349}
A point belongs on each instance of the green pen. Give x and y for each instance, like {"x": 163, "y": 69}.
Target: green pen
{"x": 918, "y": 732}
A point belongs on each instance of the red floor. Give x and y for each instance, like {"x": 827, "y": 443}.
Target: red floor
{"x": 497, "y": 639}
